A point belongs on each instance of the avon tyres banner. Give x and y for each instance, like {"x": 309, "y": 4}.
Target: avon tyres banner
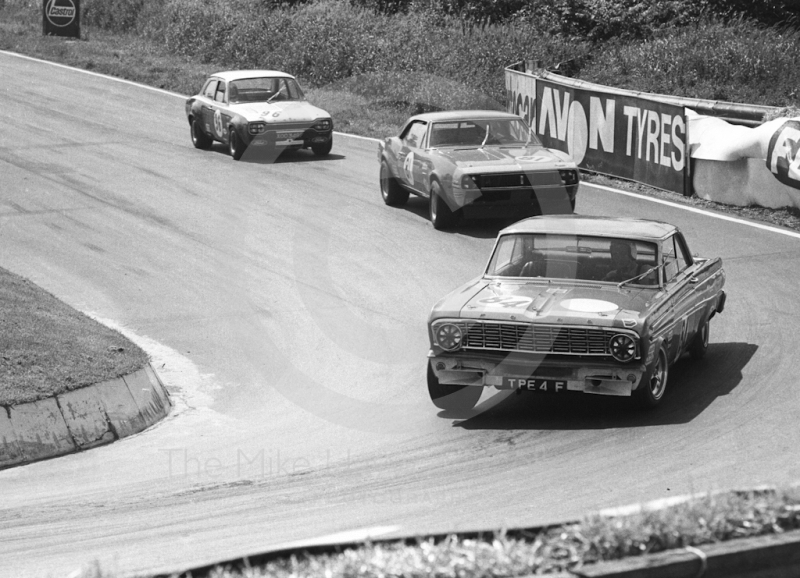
{"x": 614, "y": 134}
{"x": 61, "y": 18}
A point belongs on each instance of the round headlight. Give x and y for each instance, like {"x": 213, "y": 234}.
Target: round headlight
{"x": 623, "y": 347}
{"x": 449, "y": 336}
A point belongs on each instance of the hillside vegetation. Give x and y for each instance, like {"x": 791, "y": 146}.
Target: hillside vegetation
{"x": 733, "y": 50}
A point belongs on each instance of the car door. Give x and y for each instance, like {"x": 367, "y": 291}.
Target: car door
{"x": 218, "y": 110}
{"x": 412, "y": 141}
{"x": 681, "y": 286}
{"x": 207, "y": 105}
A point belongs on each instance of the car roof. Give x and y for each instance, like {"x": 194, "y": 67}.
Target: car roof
{"x": 240, "y": 74}
{"x": 462, "y": 115}
{"x": 598, "y": 226}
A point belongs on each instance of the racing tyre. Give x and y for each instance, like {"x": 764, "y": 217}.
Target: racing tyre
{"x": 441, "y": 215}
{"x": 455, "y": 398}
{"x": 699, "y": 344}
{"x": 200, "y": 139}
{"x": 651, "y": 391}
{"x": 235, "y": 145}
{"x": 323, "y": 149}
{"x": 393, "y": 194}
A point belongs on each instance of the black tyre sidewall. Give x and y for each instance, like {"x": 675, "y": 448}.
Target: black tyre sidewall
{"x": 235, "y": 145}
{"x": 699, "y": 344}
{"x": 391, "y": 191}
{"x": 644, "y": 395}
{"x": 324, "y": 149}
{"x": 200, "y": 139}
{"x": 440, "y": 214}
{"x": 452, "y": 398}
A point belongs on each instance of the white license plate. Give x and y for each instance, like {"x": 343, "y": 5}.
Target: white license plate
{"x": 535, "y": 384}
{"x": 289, "y": 134}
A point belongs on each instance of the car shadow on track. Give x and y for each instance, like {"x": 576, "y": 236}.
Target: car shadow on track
{"x": 478, "y": 228}
{"x": 692, "y": 387}
{"x": 266, "y": 156}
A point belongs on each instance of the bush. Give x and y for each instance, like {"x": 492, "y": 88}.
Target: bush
{"x": 712, "y": 61}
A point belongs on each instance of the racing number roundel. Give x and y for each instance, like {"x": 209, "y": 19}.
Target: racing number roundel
{"x": 408, "y": 167}
{"x": 60, "y": 12}
{"x": 218, "y": 122}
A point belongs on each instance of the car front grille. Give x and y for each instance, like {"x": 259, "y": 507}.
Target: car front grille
{"x": 518, "y": 180}
{"x": 482, "y": 335}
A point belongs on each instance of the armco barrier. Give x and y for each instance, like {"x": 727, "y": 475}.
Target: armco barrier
{"x": 721, "y": 151}
{"x": 81, "y": 419}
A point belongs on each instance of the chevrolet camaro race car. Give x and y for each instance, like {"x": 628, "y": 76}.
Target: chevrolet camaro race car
{"x": 257, "y": 108}
{"x": 575, "y": 304}
{"x": 475, "y": 163}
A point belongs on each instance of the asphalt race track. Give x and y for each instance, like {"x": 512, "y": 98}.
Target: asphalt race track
{"x": 284, "y": 306}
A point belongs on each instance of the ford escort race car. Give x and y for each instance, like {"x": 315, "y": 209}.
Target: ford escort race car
{"x": 475, "y": 163}
{"x": 258, "y": 108}
{"x": 575, "y": 304}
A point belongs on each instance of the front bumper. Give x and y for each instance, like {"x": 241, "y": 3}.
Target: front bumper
{"x": 301, "y": 138}
{"x": 512, "y": 202}
{"x": 516, "y": 371}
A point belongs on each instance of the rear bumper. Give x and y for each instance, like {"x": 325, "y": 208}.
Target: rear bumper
{"x": 516, "y": 372}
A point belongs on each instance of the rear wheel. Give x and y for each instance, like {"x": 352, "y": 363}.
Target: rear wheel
{"x": 651, "y": 391}
{"x": 322, "y": 149}
{"x": 699, "y": 344}
{"x": 455, "y": 398}
{"x": 235, "y": 145}
{"x": 200, "y": 139}
{"x": 441, "y": 215}
{"x": 393, "y": 194}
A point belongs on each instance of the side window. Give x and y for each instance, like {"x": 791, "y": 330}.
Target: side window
{"x": 674, "y": 257}
{"x": 210, "y": 88}
{"x": 219, "y": 96}
{"x": 502, "y": 257}
{"x": 414, "y": 135}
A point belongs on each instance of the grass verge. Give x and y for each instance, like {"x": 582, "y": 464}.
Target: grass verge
{"x": 700, "y": 521}
{"x": 47, "y": 347}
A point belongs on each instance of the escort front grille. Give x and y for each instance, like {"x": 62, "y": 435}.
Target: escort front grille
{"x": 536, "y": 338}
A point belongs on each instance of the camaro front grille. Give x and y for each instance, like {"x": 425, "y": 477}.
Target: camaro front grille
{"x": 536, "y": 338}
{"x": 518, "y": 180}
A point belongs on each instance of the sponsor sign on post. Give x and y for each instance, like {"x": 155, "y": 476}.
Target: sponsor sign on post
{"x": 61, "y": 18}
{"x": 610, "y": 133}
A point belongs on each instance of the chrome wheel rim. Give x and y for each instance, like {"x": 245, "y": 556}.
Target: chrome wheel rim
{"x": 658, "y": 380}
{"x": 194, "y": 132}
{"x": 704, "y": 335}
{"x": 433, "y": 205}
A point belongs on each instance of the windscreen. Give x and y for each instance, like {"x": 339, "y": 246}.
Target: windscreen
{"x": 486, "y": 132}
{"x": 264, "y": 89}
{"x": 575, "y": 257}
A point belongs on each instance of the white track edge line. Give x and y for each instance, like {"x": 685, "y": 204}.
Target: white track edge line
{"x": 602, "y": 187}
{"x": 700, "y": 211}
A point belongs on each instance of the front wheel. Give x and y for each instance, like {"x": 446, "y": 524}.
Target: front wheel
{"x": 200, "y": 139}
{"x": 441, "y": 215}
{"x": 235, "y": 145}
{"x": 322, "y": 149}
{"x": 455, "y": 398}
{"x": 651, "y": 391}
{"x": 699, "y": 345}
{"x": 393, "y": 194}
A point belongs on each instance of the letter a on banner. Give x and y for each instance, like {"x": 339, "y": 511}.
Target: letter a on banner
{"x": 61, "y": 18}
